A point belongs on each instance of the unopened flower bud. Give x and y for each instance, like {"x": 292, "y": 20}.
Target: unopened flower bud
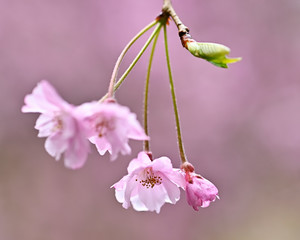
{"x": 212, "y": 52}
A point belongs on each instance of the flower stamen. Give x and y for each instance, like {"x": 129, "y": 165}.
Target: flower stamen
{"x": 58, "y": 124}
{"x": 103, "y": 126}
{"x": 150, "y": 179}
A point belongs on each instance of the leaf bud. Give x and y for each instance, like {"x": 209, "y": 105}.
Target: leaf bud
{"x": 214, "y": 53}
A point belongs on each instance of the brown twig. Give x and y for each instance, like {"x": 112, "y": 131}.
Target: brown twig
{"x": 183, "y": 30}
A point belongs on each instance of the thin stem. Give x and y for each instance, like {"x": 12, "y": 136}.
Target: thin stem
{"x": 168, "y": 9}
{"x": 120, "y": 58}
{"x": 120, "y": 81}
{"x": 146, "y": 142}
{"x": 179, "y": 138}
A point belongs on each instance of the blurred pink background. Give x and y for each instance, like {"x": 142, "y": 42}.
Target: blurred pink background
{"x": 241, "y": 126}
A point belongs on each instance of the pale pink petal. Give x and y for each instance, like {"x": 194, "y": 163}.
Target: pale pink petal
{"x": 153, "y": 198}
{"x": 162, "y": 164}
{"x": 172, "y": 190}
{"x": 87, "y": 109}
{"x": 137, "y": 204}
{"x": 118, "y": 143}
{"x": 121, "y": 184}
{"x": 176, "y": 177}
{"x": 70, "y": 126}
{"x": 44, "y": 99}
{"x": 120, "y": 189}
{"x": 78, "y": 149}
{"x": 77, "y": 152}
{"x": 129, "y": 187}
{"x": 120, "y": 195}
{"x": 142, "y": 161}
{"x": 136, "y": 131}
{"x": 101, "y": 144}
{"x": 55, "y": 145}
{"x": 45, "y": 125}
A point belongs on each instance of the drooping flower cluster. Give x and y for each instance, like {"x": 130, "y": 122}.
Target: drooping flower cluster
{"x": 69, "y": 129}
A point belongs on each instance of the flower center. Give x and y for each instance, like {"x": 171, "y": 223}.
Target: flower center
{"x": 103, "y": 126}
{"x": 150, "y": 179}
{"x": 58, "y": 124}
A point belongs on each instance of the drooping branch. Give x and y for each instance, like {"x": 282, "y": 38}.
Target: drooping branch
{"x": 183, "y": 31}
{"x": 168, "y": 9}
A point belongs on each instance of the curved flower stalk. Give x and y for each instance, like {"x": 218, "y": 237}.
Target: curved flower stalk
{"x": 111, "y": 126}
{"x": 199, "y": 191}
{"x": 149, "y": 184}
{"x": 64, "y": 129}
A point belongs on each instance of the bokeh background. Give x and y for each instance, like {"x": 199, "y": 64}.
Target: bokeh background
{"x": 241, "y": 126}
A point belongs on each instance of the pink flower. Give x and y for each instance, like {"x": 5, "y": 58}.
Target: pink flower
{"x": 61, "y": 125}
{"x": 149, "y": 184}
{"x": 111, "y": 125}
{"x": 199, "y": 191}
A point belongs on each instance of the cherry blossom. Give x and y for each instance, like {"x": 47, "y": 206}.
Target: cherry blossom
{"x": 199, "y": 191}
{"x": 111, "y": 126}
{"x": 58, "y": 122}
{"x": 149, "y": 184}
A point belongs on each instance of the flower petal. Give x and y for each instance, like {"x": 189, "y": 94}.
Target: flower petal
{"x": 172, "y": 190}
{"x": 142, "y": 161}
{"x": 44, "y": 99}
{"x": 55, "y": 145}
{"x": 153, "y": 198}
{"x": 45, "y": 125}
{"x": 137, "y": 204}
{"x": 162, "y": 164}
{"x": 131, "y": 184}
{"x": 76, "y": 153}
{"x": 102, "y": 144}
{"x": 136, "y": 131}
